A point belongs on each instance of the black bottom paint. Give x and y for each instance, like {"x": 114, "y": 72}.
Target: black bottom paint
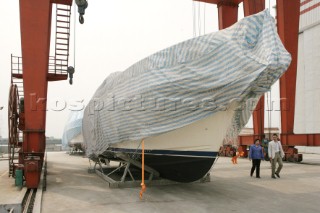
{"x": 180, "y": 168}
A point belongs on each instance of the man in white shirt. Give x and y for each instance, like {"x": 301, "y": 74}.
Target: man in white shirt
{"x": 276, "y": 154}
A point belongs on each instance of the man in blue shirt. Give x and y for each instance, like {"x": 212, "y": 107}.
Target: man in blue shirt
{"x": 256, "y": 154}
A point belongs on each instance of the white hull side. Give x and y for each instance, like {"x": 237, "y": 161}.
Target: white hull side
{"x": 206, "y": 135}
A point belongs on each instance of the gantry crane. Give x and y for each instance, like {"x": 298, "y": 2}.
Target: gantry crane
{"x": 30, "y": 75}
{"x": 288, "y": 13}
{"x": 29, "y": 79}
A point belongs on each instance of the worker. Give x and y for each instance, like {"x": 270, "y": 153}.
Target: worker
{"x": 256, "y": 155}
{"x": 276, "y": 154}
{"x": 234, "y": 155}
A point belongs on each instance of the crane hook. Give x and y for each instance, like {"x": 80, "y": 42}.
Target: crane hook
{"x": 82, "y": 5}
{"x": 81, "y": 19}
{"x": 70, "y": 72}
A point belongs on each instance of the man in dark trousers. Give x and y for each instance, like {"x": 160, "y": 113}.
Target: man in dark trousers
{"x": 276, "y": 154}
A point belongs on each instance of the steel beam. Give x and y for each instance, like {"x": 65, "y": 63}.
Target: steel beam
{"x": 251, "y": 7}
{"x": 258, "y": 120}
{"x": 301, "y": 139}
{"x": 247, "y": 139}
{"x": 288, "y": 13}
{"x": 65, "y": 2}
{"x": 217, "y": 1}
{"x": 227, "y": 13}
{"x": 35, "y": 27}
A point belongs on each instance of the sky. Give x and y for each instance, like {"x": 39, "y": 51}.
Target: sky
{"x": 115, "y": 35}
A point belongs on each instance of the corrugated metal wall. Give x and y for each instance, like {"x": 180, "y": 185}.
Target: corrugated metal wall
{"x": 307, "y": 112}
{"x": 309, "y": 14}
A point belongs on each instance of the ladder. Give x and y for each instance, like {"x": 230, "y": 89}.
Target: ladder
{"x": 16, "y": 74}
{"x": 63, "y": 13}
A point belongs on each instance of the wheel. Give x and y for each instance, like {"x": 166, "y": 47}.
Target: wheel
{"x": 13, "y": 116}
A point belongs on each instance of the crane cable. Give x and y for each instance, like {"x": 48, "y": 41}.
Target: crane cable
{"x": 199, "y": 18}
{"x": 269, "y": 7}
{"x": 204, "y": 19}
{"x": 194, "y": 19}
{"x": 74, "y": 38}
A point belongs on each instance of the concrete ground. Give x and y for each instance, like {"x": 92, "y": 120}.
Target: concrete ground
{"x": 10, "y": 195}
{"x": 70, "y": 188}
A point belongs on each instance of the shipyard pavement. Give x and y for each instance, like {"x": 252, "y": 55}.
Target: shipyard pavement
{"x": 70, "y": 188}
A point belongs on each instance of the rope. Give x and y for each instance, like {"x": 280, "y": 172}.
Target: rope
{"x": 143, "y": 186}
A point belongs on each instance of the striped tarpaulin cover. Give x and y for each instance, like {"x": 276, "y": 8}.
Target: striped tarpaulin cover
{"x": 72, "y": 128}
{"x": 186, "y": 83}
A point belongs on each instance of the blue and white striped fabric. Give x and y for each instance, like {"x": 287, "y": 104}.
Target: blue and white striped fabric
{"x": 186, "y": 83}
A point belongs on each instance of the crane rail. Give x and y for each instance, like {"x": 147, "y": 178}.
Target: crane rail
{"x": 28, "y": 200}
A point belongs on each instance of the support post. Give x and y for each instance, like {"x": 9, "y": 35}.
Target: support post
{"x": 251, "y": 7}
{"x": 35, "y": 27}
{"x": 227, "y": 13}
{"x": 288, "y": 13}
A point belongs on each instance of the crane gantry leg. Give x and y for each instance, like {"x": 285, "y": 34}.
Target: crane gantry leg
{"x": 35, "y": 27}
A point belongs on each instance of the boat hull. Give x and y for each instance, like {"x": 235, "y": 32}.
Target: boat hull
{"x": 183, "y": 155}
{"x": 179, "y": 166}
{"x": 187, "y": 98}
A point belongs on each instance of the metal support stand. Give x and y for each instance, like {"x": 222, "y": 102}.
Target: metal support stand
{"x": 127, "y": 173}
